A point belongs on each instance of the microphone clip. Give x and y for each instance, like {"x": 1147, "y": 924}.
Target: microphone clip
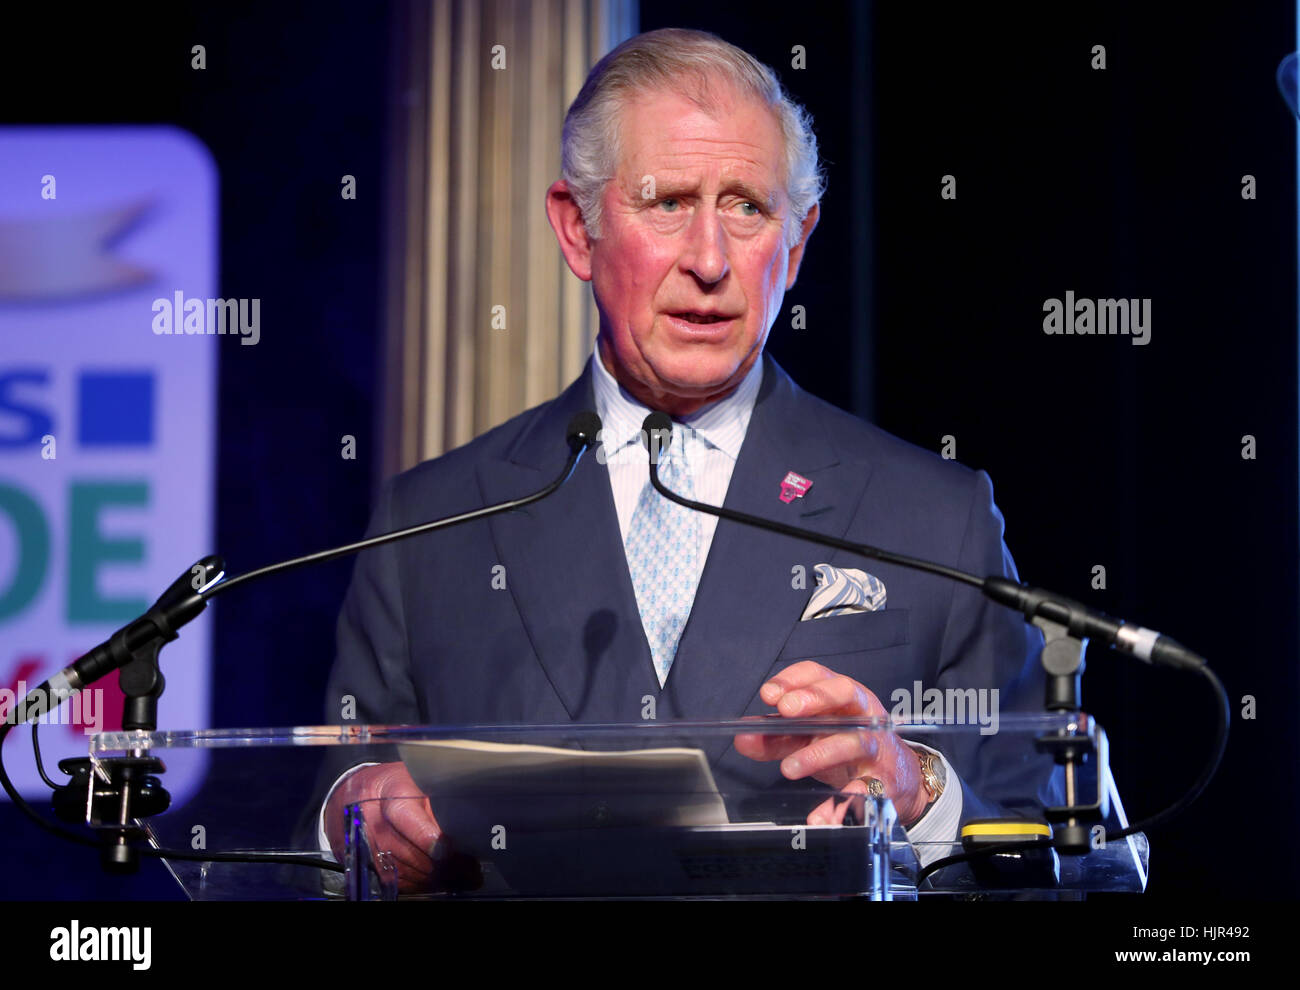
{"x": 1062, "y": 658}
{"x": 126, "y": 788}
{"x": 131, "y": 792}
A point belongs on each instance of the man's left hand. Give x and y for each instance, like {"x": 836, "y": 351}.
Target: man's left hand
{"x": 844, "y": 760}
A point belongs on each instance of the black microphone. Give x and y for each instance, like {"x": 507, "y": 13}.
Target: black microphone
{"x": 189, "y": 593}
{"x": 1081, "y": 620}
{"x": 582, "y": 433}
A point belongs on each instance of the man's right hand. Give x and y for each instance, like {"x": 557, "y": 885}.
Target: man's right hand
{"x": 405, "y": 828}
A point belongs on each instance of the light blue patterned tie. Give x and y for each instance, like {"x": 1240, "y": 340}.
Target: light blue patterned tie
{"x": 663, "y": 555}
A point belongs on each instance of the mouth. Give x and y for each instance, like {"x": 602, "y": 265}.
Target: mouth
{"x": 701, "y": 319}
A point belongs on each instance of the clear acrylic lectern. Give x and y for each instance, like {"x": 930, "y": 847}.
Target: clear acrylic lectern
{"x": 589, "y": 811}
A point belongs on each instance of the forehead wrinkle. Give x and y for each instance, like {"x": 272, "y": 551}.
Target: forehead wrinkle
{"x": 680, "y": 140}
{"x": 728, "y": 171}
{"x": 683, "y": 153}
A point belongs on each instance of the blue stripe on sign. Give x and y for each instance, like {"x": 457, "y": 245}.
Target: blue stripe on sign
{"x": 115, "y": 409}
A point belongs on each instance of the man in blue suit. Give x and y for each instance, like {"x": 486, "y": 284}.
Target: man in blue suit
{"x": 691, "y": 187}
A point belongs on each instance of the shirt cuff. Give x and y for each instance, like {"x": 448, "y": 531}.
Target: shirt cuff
{"x": 934, "y": 834}
{"x": 321, "y": 839}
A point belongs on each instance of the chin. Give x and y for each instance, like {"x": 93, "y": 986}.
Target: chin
{"x": 698, "y": 375}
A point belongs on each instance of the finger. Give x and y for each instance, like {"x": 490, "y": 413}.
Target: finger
{"x": 836, "y": 694}
{"x": 823, "y": 814}
{"x": 852, "y": 754}
{"x": 857, "y": 788}
{"x": 767, "y": 746}
{"x": 414, "y": 820}
{"x": 791, "y": 678}
{"x": 836, "y": 808}
{"x": 410, "y": 861}
{"x": 417, "y": 856}
{"x": 411, "y": 864}
{"x": 408, "y": 876}
{"x": 392, "y": 836}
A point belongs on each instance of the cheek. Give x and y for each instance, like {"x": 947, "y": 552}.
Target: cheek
{"x": 777, "y": 270}
{"x": 766, "y": 285}
{"x": 632, "y": 270}
{"x": 651, "y": 256}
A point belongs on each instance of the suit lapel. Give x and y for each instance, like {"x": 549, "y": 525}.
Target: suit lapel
{"x": 747, "y": 603}
{"x": 567, "y": 570}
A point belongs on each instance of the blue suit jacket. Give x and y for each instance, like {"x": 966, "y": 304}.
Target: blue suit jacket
{"x": 425, "y": 638}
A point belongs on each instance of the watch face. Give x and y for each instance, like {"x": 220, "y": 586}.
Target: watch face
{"x": 932, "y": 769}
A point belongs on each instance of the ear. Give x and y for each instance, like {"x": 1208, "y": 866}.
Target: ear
{"x": 566, "y": 220}
{"x": 796, "y": 252}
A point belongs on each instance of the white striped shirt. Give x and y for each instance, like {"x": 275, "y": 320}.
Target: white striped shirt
{"x": 712, "y": 436}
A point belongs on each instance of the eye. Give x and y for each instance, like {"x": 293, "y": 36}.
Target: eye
{"x": 750, "y": 209}
{"x": 670, "y": 205}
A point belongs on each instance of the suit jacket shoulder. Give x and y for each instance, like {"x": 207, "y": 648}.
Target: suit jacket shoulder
{"x": 449, "y": 478}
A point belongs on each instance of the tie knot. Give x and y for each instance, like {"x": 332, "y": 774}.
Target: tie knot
{"x": 674, "y": 460}
{"x": 678, "y": 448}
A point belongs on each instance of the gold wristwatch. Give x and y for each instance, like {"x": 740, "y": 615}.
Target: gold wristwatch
{"x": 934, "y": 775}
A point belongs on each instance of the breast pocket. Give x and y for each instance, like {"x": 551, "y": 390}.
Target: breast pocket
{"x": 860, "y": 632}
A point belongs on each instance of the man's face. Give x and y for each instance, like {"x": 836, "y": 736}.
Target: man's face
{"x": 692, "y": 264}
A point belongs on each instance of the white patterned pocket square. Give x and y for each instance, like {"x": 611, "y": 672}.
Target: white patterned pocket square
{"x": 844, "y": 591}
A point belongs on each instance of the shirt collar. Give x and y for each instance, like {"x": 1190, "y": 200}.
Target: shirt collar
{"x": 721, "y": 424}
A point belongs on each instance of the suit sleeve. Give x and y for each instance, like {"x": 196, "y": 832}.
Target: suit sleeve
{"x": 989, "y": 647}
{"x": 371, "y": 680}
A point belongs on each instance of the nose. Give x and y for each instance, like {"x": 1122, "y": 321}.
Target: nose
{"x": 705, "y": 256}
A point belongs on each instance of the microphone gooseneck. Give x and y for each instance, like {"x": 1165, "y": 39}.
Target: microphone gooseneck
{"x": 134, "y": 650}
{"x": 581, "y": 434}
{"x": 1081, "y": 620}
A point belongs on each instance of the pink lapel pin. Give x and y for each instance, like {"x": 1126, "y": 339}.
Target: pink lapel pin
{"x": 794, "y": 486}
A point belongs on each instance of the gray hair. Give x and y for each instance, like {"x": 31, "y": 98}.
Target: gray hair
{"x": 682, "y": 62}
